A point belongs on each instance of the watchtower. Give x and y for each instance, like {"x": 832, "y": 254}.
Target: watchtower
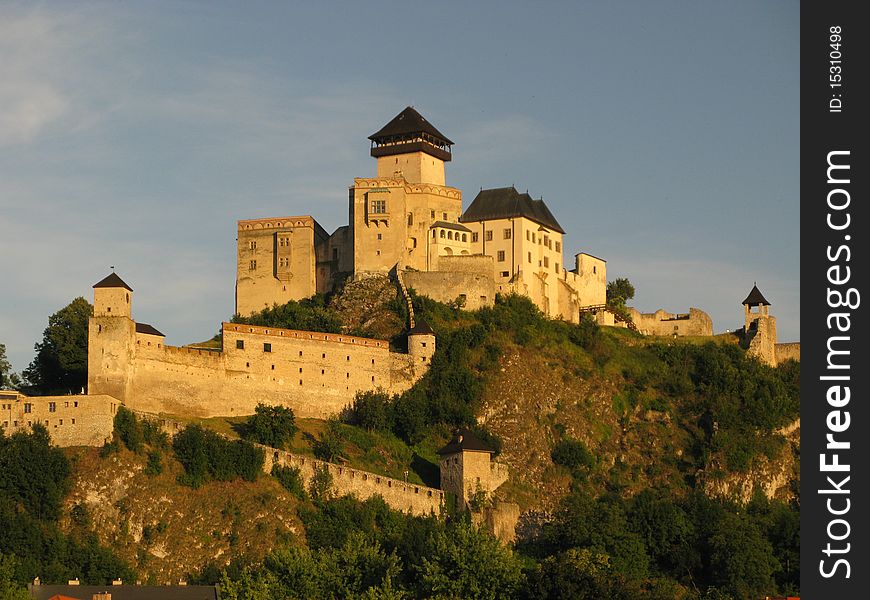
{"x": 759, "y": 329}
{"x": 421, "y": 343}
{"x": 754, "y": 306}
{"x": 412, "y": 146}
{"x": 467, "y": 468}
{"x": 111, "y": 338}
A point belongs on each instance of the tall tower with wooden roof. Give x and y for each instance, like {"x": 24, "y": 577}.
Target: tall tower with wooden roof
{"x": 759, "y": 329}
{"x": 392, "y": 215}
{"x": 754, "y": 305}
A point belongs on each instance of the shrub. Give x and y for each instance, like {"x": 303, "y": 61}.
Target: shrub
{"x": 128, "y": 429}
{"x": 321, "y": 484}
{"x": 371, "y": 411}
{"x": 272, "y": 426}
{"x": 572, "y": 454}
{"x": 205, "y": 456}
{"x": 291, "y": 479}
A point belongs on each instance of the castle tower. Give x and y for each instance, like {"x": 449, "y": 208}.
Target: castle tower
{"x": 759, "y": 329}
{"x": 391, "y": 215}
{"x": 411, "y": 146}
{"x": 466, "y": 468}
{"x": 421, "y": 344}
{"x": 111, "y": 338}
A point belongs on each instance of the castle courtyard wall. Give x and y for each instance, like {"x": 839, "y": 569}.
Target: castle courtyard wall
{"x": 468, "y": 277}
{"x": 788, "y": 351}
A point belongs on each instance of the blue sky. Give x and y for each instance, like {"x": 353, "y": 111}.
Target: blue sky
{"x": 664, "y": 136}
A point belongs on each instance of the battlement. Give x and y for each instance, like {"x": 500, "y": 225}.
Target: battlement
{"x": 276, "y": 332}
{"x": 276, "y": 223}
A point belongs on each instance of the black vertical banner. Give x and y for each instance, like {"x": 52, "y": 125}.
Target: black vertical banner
{"x": 835, "y": 348}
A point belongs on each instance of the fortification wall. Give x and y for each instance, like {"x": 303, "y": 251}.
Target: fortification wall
{"x": 787, "y": 351}
{"x": 695, "y": 322}
{"x": 407, "y": 497}
{"x": 316, "y": 374}
{"x": 762, "y": 339}
{"x": 478, "y": 290}
{"x": 80, "y": 420}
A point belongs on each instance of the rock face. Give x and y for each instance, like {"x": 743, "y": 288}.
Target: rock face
{"x": 364, "y": 306}
{"x": 167, "y": 532}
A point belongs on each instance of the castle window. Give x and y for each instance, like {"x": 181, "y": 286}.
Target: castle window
{"x": 505, "y": 274}
{"x": 533, "y": 237}
{"x": 443, "y": 234}
{"x": 52, "y": 406}
{"x": 252, "y": 266}
{"x": 324, "y": 355}
{"x": 488, "y": 236}
{"x": 378, "y": 252}
{"x": 594, "y": 269}
{"x": 61, "y": 422}
{"x": 380, "y": 236}
{"x": 108, "y": 309}
{"x": 501, "y": 256}
{"x": 28, "y": 407}
{"x": 300, "y": 369}
{"x": 474, "y": 238}
{"x": 273, "y": 367}
{"x": 373, "y": 361}
{"x": 267, "y": 347}
{"x": 558, "y": 246}
{"x": 300, "y": 382}
{"x": 413, "y": 242}
{"x": 322, "y": 371}
{"x": 379, "y": 207}
{"x": 433, "y": 233}
{"x": 128, "y": 298}
{"x": 75, "y": 404}
{"x": 557, "y": 267}
{"x": 348, "y": 375}
{"x": 530, "y": 257}
{"x": 410, "y": 219}
{"x": 449, "y": 235}
{"x": 464, "y": 237}
{"x": 432, "y": 215}
{"x": 240, "y": 344}
{"x": 73, "y": 421}
{"x": 335, "y": 254}
{"x": 66, "y": 404}
{"x": 348, "y": 358}
{"x": 252, "y": 245}
{"x": 507, "y": 234}
{"x": 373, "y": 378}
{"x": 546, "y": 262}
{"x": 528, "y": 235}
{"x": 444, "y": 215}
{"x": 300, "y": 353}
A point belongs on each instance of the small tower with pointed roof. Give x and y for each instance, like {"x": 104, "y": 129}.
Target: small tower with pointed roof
{"x": 112, "y": 297}
{"x": 755, "y": 305}
{"x": 466, "y": 467}
{"x": 759, "y": 329}
{"x": 421, "y": 344}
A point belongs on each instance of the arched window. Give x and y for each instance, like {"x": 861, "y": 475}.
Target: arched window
{"x": 449, "y": 235}
{"x": 442, "y": 234}
{"x": 464, "y": 237}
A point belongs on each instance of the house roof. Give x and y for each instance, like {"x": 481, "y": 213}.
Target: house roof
{"x": 125, "y": 592}
{"x": 112, "y": 281}
{"x": 148, "y": 329}
{"x": 507, "y": 202}
{"x": 464, "y": 440}
{"x": 421, "y": 327}
{"x": 755, "y": 297}
{"x": 448, "y": 225}
{"x": 407, "y": 122}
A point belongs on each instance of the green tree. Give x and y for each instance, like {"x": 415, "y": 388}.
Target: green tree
{"x": 468, "y": 563}
{"x": 61, "y": 361}
{"x": 620, "y": 291}
{"x": 33, "y": 475}
{"x": 8, "y": 378}
{"x": 741, "y": 559}
{"x": 272, "y": 426}
{"x": 9, "y": 588}
{"x": 330, "y": 441}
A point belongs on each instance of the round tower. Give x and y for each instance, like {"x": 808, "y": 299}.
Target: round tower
{"x": 421, "y": 343}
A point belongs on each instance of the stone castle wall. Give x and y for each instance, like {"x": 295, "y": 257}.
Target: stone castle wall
{"x": 787, "y": 351}
{"x": 661, "y": 322}
{"x": 468, "y": 277}
{"x": 315, "y": 374}
{"x": 80, "y": 420}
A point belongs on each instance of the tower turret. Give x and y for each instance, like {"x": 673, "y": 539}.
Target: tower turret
{"x": 111, "y": 338}
{"x": 421, "y": 343}
{"x": 755, "y": 305}
{"x": 112, "y": 297}
{"x": 412, "y": 146}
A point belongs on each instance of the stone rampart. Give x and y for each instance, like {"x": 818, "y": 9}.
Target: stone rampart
{"x": 316, "y": 374}
{"x": 788, "y": 351}
{"x": 695, "y": 322}
{"x": 407, "y": 497}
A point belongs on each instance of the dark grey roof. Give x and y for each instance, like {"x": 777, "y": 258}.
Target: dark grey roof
{"x": 448, "y": 225}
{"x": 755, "y": 297}
{"x": 112, "y": 281}
{"x": 127, "y": 592}
{"x": 464, "y": 439}
{"x": 407, "y": 122}
{"x": 505, "y": 203}
{"x": 421, "y": 327}
{"x": 146, "y": 328}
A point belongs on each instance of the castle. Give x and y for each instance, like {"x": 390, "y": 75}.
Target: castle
{"x": 406, "y": 218}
